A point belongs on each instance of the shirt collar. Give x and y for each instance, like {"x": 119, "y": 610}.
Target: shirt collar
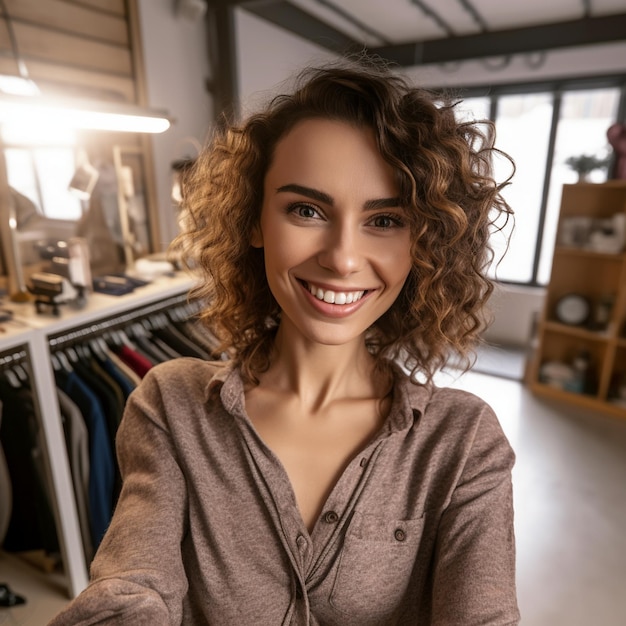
{"x": 408, "y": 404}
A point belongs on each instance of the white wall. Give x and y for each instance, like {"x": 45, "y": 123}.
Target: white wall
{"x": 176, "y": 68}
{"x": 268, "y": 56}
{"x": 588, "y": 61}
{"x": 514, "y": 309}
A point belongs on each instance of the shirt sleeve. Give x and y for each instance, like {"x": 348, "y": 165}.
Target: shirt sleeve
{"x": 137, "y": 576}
{"x": 474, "y": 581}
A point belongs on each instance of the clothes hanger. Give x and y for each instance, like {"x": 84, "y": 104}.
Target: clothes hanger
{"x": 12, "y": 378}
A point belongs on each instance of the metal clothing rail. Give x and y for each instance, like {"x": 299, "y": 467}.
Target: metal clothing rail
{"x": 119, "y": 321}
{"x": 12, "y": 357}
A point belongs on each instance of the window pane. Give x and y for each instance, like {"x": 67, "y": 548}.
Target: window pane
{"x": 523, "y": 129}
{"x": 472, "y": 109}
{"x": 585, "y": 118}
{"x": 56, "y": 167}
{"x": 21, "y": 174}
{"x": 43, "y": 176}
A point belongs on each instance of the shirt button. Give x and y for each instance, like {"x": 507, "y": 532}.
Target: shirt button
{"x": 399, "y": 534}
{"x": 330, "y": 517}
{"x": 301, "y": 541}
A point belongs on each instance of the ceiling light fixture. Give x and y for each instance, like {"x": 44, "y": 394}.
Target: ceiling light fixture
{"x": 22, "y": 105}
{"x": 80, "y": 115}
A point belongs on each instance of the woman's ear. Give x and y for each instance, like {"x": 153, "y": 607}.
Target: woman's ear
{"x": 256, "y": 238}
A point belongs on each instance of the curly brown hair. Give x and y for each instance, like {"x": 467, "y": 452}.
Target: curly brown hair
{"x": 444, "y": 175}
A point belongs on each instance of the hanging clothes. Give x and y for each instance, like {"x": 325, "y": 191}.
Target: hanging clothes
{"x": 32, "y": 525}
{"x": 77, "y": 444}
{"x": 102, "y": 463}
{"x": 6, "y": 493}
{"x": 95, "y": 373}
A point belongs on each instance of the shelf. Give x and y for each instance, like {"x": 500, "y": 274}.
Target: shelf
{"x": 588, "y": 254}
{"x": 100, "y": 305}
{"x": 578, "y": 399}
{"x": 599, "y": 277}
{"x": 14, "y": 334}
{"x": 576, "y": 331}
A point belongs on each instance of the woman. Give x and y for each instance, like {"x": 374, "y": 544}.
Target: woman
{"x": 317, "y": 476}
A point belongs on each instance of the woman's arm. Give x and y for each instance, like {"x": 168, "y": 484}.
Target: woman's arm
{"x": 474, "y": 581}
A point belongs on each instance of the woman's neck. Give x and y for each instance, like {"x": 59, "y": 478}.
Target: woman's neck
{"x": 319, "y": 375}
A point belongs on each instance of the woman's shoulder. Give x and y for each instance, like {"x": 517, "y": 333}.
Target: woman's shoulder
{"x": 454, "y": 407}
{"x": 182, "y": 373}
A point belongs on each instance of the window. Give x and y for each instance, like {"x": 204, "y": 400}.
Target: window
{"x": 43, "y": 175}
{"x": 584, "y": 119}
{"x": 540, "y": 126}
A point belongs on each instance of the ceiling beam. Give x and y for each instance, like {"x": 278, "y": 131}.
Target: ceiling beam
{"x": 542, "y": 37}
{"x": 294, "y": 19}
{"x": 581, "y": 32}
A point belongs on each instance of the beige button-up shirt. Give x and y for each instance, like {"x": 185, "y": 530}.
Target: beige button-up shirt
{"x": 418, "y": 530}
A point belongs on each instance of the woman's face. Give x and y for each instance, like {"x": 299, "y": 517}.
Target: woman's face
{"x": 336, "y": 241}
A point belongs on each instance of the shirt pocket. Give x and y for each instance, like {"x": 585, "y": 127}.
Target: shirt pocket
{"x": 375, "y": 566}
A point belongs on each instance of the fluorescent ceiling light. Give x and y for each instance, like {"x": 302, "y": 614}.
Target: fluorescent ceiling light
{"x": 18, "y": 85}
{"x": 86, "y": 115}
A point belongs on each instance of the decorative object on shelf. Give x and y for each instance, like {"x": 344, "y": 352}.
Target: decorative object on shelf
{"x": 602, "y": 312}
{"x": 616, "y": 134}
{"x": 556, "y": 374}
{"x": 575, "y": 377}
{"x": 605, "y": 235}
{"x": 584, "y": 164}
{"x": 573, "y": 309}
{"x": 574, "y": 231}
{"x": 51, "y": 290}
{"x": 581, "y": 365}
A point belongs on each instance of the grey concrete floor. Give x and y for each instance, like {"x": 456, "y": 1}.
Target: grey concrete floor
{"x": 570, "y": 505}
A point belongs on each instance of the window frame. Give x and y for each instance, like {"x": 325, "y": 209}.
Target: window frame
{"x": 557, "y": 87}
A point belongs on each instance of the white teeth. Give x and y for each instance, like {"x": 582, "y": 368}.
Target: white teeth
{"x": 335, "y": 297}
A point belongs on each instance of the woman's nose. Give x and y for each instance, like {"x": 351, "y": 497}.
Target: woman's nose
{"x": 342, "y": 251}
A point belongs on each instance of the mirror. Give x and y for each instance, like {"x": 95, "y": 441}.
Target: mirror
{"x": 92, "y": 186}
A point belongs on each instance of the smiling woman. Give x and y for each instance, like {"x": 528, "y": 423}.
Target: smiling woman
{"x": 316, "y": 475}
{"x": 332, "y": 230}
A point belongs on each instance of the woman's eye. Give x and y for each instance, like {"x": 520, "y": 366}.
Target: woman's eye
{"x": 386, "y": 221}
{"x": 304, "y": 210}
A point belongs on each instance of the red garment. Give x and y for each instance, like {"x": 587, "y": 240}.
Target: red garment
{"x": 138, "y": 363}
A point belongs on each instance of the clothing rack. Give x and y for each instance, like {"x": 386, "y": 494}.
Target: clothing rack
{"x": 32, "y": 340}
{"x": 120, "y": 321}
{"x": 14, "y": 366}
{"x": 13, "y": 358}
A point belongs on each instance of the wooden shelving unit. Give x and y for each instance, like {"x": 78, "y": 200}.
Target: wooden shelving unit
{"x": 583, "y": 268}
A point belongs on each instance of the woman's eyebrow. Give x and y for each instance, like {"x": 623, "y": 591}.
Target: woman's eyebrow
{"x": 320, "y": 196}
{"x": 314, "y": 194}
{"x": 381, "y": 203}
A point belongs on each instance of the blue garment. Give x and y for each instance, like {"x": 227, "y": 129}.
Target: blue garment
{"x": 102, "y": 469}
{"x": 126, "y": 385}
